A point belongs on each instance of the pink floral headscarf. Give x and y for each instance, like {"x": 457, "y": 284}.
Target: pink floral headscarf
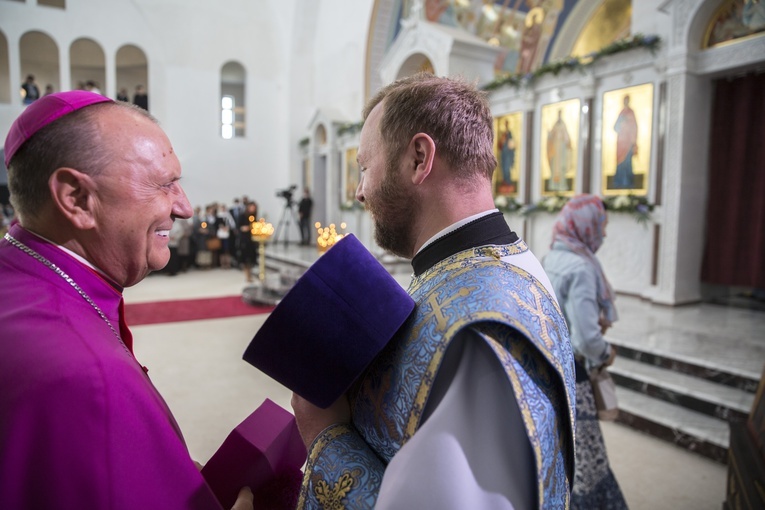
{"x": 580, "y": 225}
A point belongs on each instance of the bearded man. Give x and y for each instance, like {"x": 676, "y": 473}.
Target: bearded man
{"x": 471, "y": 405}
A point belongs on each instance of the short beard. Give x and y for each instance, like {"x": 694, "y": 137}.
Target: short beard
{"x": 393, "y": 210}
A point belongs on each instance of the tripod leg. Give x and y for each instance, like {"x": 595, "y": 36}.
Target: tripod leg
{"x": 282, "y": 221}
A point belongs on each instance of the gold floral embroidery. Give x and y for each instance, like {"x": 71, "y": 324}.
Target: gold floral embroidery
{"x": 332, "y": 499}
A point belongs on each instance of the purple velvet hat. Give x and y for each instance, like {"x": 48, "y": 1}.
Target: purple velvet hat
{"x": 331, "y": 324}
{"x": 44, "y": 111}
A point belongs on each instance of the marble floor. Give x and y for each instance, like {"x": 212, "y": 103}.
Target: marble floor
{"x": 716, "y": 337}
{"x": 197, "y": 367}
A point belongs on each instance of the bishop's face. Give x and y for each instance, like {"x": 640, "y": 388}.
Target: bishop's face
{"x": 137, "y": 199}
{"x": 384, "y": 190}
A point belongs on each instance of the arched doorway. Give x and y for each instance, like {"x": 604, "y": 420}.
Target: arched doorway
{"x": 87, "y": 65}
{"x": 132, "y": 70}
{"x": 39, "y": 58}
{"x": 415, "y": 64}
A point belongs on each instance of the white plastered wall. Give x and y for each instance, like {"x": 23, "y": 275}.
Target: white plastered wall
{"x": 186, "y": 44}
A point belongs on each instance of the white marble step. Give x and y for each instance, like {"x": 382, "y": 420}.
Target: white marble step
{"x": 720, "y": 339}
{"x": 679, "y": 419}
{"x": 738, "y": 360}
{"x": 682, "y": 384}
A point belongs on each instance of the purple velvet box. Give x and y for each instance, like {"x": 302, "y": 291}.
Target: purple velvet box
{"x": 331, "y": 324}
{"x": 265, "y": 452}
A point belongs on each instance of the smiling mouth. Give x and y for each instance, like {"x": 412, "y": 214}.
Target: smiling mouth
{"x": 163, "y": 233}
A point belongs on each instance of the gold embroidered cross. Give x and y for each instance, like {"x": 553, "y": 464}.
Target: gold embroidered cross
{"x": 436, "y": 307}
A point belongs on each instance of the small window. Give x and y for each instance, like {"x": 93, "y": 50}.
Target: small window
{"x": 60, "y": 4}
{"x": 232, "y": 100}
{"x": 227, "y": 117}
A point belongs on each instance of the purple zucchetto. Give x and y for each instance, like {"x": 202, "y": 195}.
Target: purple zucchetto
{"x": 330, "y": 326}
{"x": 44, "y": 111}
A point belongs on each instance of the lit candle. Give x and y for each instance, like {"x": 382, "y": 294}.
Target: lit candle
{"x": 327, "y": 236}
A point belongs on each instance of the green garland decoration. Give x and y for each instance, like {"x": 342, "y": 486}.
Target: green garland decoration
{"x": 353, "y": 127}
{"x": 351, "y": 205}
{"x": 507, "y": 204}
{"x": 517, "y": 80}
{"x": 637, "y": 206}
{"x": 350, "y": 127}
{"x": 551, "y": 204}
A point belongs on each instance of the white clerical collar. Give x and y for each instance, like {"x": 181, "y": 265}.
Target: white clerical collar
{"x": 454, "y": 226}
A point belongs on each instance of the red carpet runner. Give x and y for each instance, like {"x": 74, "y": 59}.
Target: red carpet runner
{"x": 190, "y": 310}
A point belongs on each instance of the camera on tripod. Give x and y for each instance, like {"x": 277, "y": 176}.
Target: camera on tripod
{"x": 286, "y": 194}
{"x": 287, "y": 214}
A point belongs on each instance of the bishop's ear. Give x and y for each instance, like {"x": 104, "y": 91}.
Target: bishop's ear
{"x": 72, "y": 193}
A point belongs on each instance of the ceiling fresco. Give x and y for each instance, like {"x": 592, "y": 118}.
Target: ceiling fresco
{"x": 526, "y": 30}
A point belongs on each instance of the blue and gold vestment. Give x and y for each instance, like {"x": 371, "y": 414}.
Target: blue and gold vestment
{"x": 522, "y": 324}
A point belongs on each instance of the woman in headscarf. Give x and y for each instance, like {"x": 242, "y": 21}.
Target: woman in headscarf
{"x": 587, "y": 301}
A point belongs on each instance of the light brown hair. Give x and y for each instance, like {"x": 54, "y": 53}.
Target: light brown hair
{"x": 451, "y": 111}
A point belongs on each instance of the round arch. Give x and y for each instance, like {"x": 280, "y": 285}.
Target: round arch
{"x": 38, "y": 56}
{"x": 87, "y": 64}
{"x": 320, "y": 136}
{"x": 415, "y": 63}
{"x": 132, "y": 69}
{"x": 689, "y": 32}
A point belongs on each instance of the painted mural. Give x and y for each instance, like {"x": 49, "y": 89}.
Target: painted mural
{"x": 560, "y": 146}
{"x": 735, "y": 19}
{"x": 626, "y": 140}
{"x": 508, "y": 142}
{"x": 524, "y": 29}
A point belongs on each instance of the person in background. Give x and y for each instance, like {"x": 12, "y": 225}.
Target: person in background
{"x": 304, "y": 217}
{"x": 122, "y": 95}
{"x": 91, "y": 86}
{"x": 141, "y": 98}
{"x": 225, "y": 225}
{"x": 248, "y": 247}
{"x": 95, "y": 184}
{"x": 471, "y": 404}
{"x": 212, "y": 243}
{"x": 198, "y": 235}
{"x": 587, "y": 300}
{"x": 173, "y": 243}
{"x": 184, "y": 244}
{"x": 29, "y": 91}
{"x": 49, "y": 89}
{"x": 236, "y": 250}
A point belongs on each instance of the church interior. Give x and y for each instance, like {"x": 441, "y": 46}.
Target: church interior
{"x": 656, "y": 106}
